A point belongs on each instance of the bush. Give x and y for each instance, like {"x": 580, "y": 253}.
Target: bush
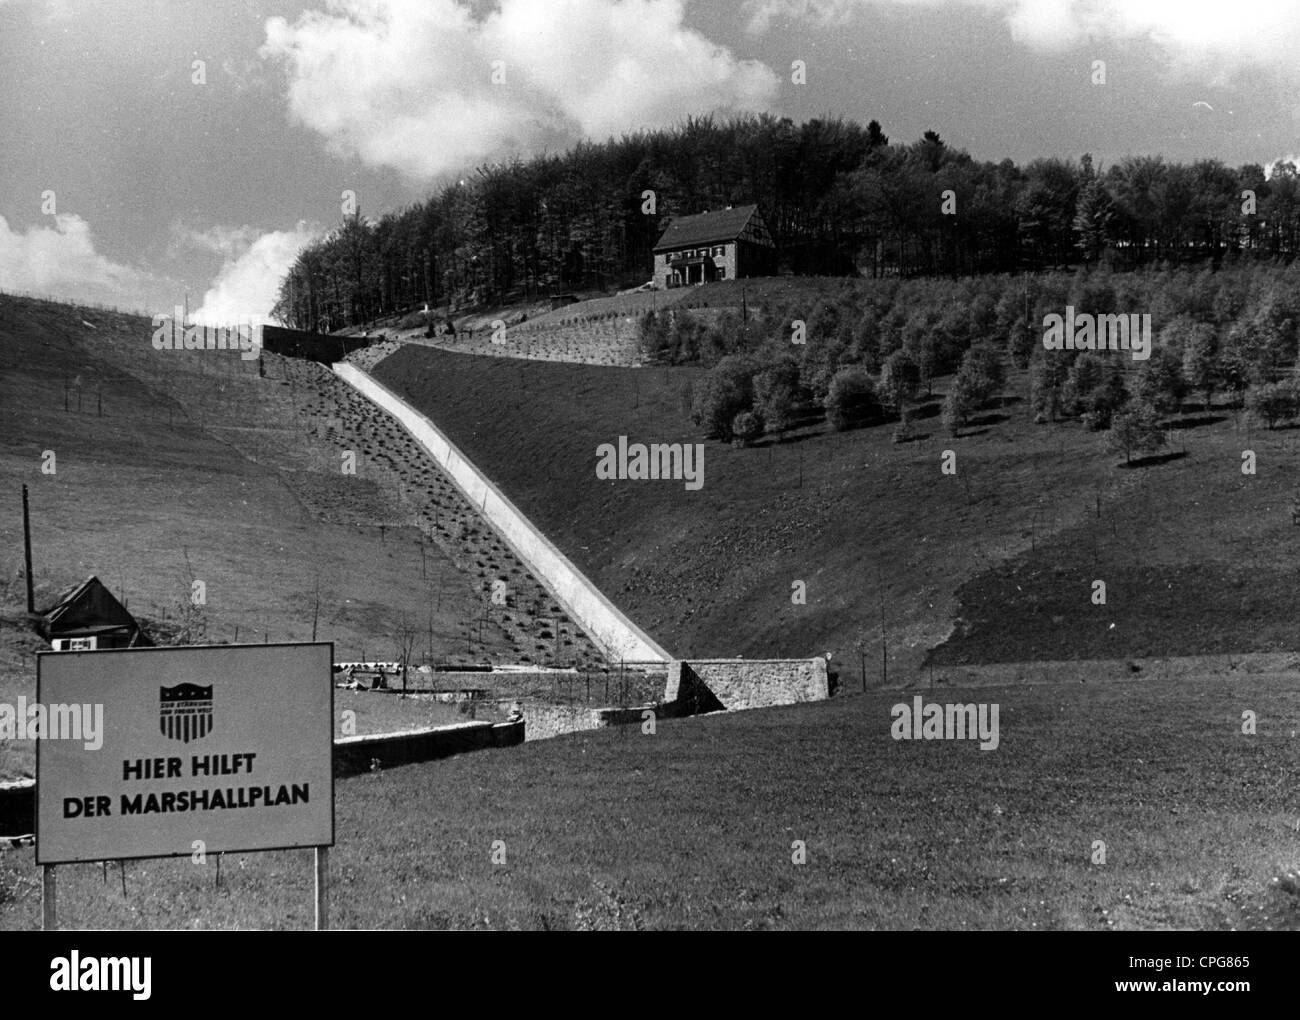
{"x": 1160, "y": 381}
{"x": 776, "y": 389}
{"x": 984, "y": 366}
{"x": 1086, "y": 374}
{"x": 725, "y": 391}
{"x": 1094, "y": 390}
{"x": 1021, "y": 343}
{"x": 653, "y": 334}
{"x": 1200, "y": 361}
{"x": 821, "y": 360}
{"x": 851, "y": 398}
{"x": 1136, "y": 429}
{"x": 1263, "y": 345}
{"x": 1046, "y": 378}
{"x": 900, "y": 378}
{"x": 746, "y": 427}
{"x": 957, "y": 408}
{"x": 1235, "y": 370}
{"x": 685, "y": 337}
{"x": 1105, "y": 401}
{"x": 1273, "y": 403}
{"x": 904, "y": 433}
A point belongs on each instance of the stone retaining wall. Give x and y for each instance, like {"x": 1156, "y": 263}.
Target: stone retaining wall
{"x": 705, "y": 685}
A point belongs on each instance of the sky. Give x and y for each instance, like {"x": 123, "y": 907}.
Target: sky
{"x": 155, "y": 153}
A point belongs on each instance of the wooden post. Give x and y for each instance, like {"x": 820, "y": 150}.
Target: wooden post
{"x": 884, "y": 654}
{"x": 322, "y": 888}
{"x": 49, "y": 897}
{"x": 27, "y": 553}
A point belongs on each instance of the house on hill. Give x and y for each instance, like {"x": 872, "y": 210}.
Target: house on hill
{"x": 708, "y": 246}
{"x": 88, "y": 616}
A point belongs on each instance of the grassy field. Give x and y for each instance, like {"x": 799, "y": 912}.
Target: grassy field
{"x": 999, "y": 558}
{"x": 694, "y": 826}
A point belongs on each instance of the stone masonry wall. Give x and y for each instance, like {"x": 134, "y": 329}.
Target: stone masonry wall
{"x": 748, "y": 683}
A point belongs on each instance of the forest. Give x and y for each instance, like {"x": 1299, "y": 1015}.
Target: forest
{"x": 840, "y": 199}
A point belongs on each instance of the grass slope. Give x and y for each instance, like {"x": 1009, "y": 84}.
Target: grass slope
{"x": 164, "y": 457}
{"x": 1192, "y": 550}
{"x": 694, "y": 826}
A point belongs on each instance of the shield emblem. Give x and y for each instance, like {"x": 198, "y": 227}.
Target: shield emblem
{"x": 185, "y": 712}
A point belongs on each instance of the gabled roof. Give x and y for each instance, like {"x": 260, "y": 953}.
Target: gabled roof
{"x": 706, "y": 228}
{"x": 89, "y": 607}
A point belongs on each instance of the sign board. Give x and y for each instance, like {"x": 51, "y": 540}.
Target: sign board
{"x": 214, "y": 747}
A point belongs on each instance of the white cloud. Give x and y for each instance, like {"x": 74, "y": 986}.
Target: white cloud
{"x": 1290, "y": 157}
{"x": 61, "y": 262}
{"x": 408, "y": 83}
{"x": 248, "y": 283}
{"x": 1203, "y": 35}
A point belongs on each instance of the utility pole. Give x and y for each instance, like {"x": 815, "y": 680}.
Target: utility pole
{"x": 884, "y": 654}
{"x": 315, "y": 613}
{"x": 27, "y": 553}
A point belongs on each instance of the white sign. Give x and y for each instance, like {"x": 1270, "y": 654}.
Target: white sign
{"x": 225, "y": 746}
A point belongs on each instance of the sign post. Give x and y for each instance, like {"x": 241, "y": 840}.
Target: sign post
{"x": 322, "y": 888}
{"x": 49, "y": 907}
{"x": 185, "y": 751}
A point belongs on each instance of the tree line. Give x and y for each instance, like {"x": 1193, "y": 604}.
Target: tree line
{"x": 839, "y": 198}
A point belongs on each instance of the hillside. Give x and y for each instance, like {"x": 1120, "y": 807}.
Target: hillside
{"x": 1000, "y": 557}
{"x": 176, "y": 466}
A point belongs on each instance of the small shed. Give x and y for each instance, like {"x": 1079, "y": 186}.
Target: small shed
{"x": 90, "y": 611}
